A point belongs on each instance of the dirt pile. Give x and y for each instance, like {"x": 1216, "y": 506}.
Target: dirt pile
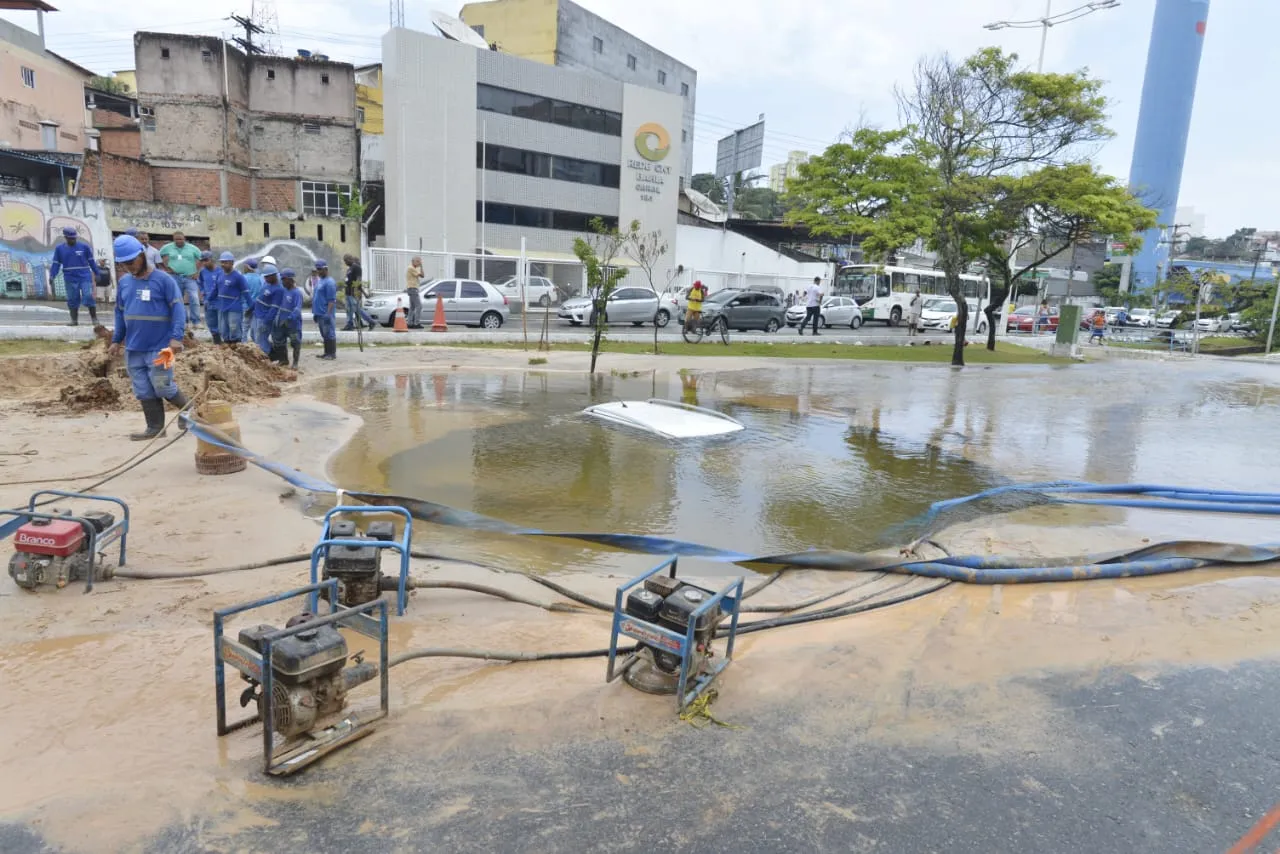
{"x": 90, "y": 380}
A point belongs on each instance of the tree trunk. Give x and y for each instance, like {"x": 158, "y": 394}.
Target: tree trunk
{"x": 962, "y": 321}
{"x": 998, "y": 299}
{"x": 597, "y": 321}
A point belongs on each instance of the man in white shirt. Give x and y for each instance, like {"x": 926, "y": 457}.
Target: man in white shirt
{"x": 812, "y": 305}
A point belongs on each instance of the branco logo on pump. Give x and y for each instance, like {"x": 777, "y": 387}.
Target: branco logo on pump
{"x": 653, "y": 142}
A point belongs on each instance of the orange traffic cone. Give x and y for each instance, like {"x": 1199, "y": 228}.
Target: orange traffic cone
{"x": 399, "y": 324}
{"x": 437, "y": 322}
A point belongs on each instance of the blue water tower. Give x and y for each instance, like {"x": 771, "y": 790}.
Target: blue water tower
{"x": 1168, "y": 94}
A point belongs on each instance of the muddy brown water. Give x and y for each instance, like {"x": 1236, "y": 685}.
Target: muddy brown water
{"x": 833, "y": 457}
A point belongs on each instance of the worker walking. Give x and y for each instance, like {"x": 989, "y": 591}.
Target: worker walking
{"x": 207, "y": 277}
{"x": 287, "y": 330}
{"x": 181, "y": 258}
{"x": 265, "y": 308}
{"x": 355, "y": 296}
{"x": 79, "y": 271}
{"x": 149, "y": 322}
{"x": 231, "y": 295}
{"x": 324, "y": 308}
{"x": 412, "y": 282}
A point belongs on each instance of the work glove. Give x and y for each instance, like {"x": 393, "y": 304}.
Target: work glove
{"x": 164, "y": 359}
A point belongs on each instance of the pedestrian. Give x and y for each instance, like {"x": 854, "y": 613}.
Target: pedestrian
{"x": 1042, "y": 315}
{"x": 812, "y": 305}
{"x": 324, "y": 308}
{"x": 154, "y": 259}
{"x": 265, "y": 308}
{"x": 79, "y": 271}
{"x": 791, "y": 300}
{"x": 181, "y": 257}
{"x": 287, "y": 329}
{"x": 231, "y": 295}
{"x": 1099, "y": 327}
{"x": 149, "y": 322}
{"x": 207, "y": 278}
{"x": 913, "y": 312}
{"x": 412, "y": 282}
{"x": 253, "y": 287}
{"x": 355, "y": 295}
{"x": 693, "y": 305}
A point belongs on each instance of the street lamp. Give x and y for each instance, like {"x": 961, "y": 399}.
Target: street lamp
{"x": 1052, "y": 20}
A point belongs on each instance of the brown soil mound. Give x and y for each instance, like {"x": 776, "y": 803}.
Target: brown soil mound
{"x": 90, "y": 380}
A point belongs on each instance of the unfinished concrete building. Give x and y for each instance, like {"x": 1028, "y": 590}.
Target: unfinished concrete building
{"x": 258, "y": 132}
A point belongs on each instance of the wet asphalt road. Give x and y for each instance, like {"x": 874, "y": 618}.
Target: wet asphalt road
{"x": 1183, "y": 761}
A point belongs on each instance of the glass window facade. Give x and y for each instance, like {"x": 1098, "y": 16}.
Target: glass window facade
{"x": 497, "y": 213}
{"x": 500, "y": 158}
{"x": 508, "y": 102}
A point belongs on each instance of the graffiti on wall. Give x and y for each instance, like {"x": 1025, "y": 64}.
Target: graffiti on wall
{"x": 31, "y": 227}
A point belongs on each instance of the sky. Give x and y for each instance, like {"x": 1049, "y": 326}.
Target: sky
{"x": 817, "y": 67}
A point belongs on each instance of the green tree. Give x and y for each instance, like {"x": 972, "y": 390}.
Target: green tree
{"x": 976, "y": 124}
{"x": 108, "y": 84}
{"x": 647, "y": 249}
{"x": 597, "y": 252}
{"x": 758, "y": 203}
{"x": 1197, "y": 247}
{"x": 866, "y": 190}
{"x": 1041, "y": 215}
{"x": 709, "y": 186}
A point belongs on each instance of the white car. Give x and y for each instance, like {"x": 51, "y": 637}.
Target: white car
{"x": 467, "y": 302}
{"x": 539, "y": 289}
{"x": 1144, "y": 317}
{"x": 836, "y": 311}
{"x": 1214, "y": 324}
{"x": 1168, "y": 319}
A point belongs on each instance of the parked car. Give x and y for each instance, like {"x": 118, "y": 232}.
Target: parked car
{"x": 1024, "y": 320}
{"x": 539, "y": 289}
{"x": 1169, "y": 319}
{"x": 467, "y": 302}
{"x": 1238, "y": 323}
{"x": 939, "y": 313}
{"x": 836, "y": 311}
{"x": 743, "y": 310}
{"x": 1222, "y": 323}
{"x": 636, "y": 306}
{"x": 1144, "y": 317}
{"x": 1116, "y": 315}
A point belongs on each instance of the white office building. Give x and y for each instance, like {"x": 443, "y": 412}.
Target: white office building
{"x": 484, "y": 148}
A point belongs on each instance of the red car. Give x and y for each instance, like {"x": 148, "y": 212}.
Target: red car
{"x": 1025, "y": 320}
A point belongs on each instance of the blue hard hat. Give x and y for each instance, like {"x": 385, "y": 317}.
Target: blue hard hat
{"x": 252, "y": 263}
{"x": 269, "y": 270}
{"x": 322, "y": 264}
{"x": 287, "y": 273}
{"x": 206, "y": 255}
{"x": 126, "y": 247}
{"x": 132, "y": 232}
{"x": 68, "y": 231}
{"x": 227, "y": 256}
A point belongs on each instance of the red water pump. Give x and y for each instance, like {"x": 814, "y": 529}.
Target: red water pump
{"x": 55, "y": 549}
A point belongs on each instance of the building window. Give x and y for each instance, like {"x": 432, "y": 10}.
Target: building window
{"x": 496, "y": 213}
{"x": 631, "y": 62}
{"x": 311, "y": 127}
{"x": 535, "y": 164}
{"x": 320, "y": 232}
{"x": 293, "y": 231}
{"x": 206, "y": 55}
{"x": 266, "y": 229}
{"x": 28, "y": 77}
{"x": 523, "y": 105}
{"x": 239, "y": 229}
{"x": 271, "y": 74}
{"x": 49, "y": 136}
{"x": 164, "y": 53}
{"x": 324, "y": 79}
{"x": 597, "y": 44}
{"x": 342, "y": 233}
{"x": 662, "y": 78}
{"x": 149, "y": 123}
{"x": 323, "y": 199}
{"x": 360, "y": 115}
{"x": 684, "y": 136}
{"x": 684, "y": 89}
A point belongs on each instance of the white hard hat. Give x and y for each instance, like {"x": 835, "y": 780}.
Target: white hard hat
{"x": 268, "y": 259}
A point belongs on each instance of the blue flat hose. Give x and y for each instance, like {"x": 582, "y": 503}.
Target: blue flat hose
{"x": 1157, "y": 559}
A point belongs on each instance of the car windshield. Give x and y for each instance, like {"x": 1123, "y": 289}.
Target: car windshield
{"x": 723, "y": 296}
{"x": 1025, "y": 310}
{"x": 1141, "y": 312}
{"x": 946, "y": 305}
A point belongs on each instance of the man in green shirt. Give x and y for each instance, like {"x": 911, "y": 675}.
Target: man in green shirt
{"x": 181, "y": 258}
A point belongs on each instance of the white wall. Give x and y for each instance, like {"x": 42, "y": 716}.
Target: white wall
{"x": 716, "y": 257}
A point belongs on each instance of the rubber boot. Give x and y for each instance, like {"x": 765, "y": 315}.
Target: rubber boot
{"x": 75, "y": 317}
{"x": 297, "y": 351}
{"x": 217, "y": 338}
{"x": 93, "y": 315}
{"x": 331, "y": 349}
{"x": 153, "y": 410}
{"x": 180, "y": 402}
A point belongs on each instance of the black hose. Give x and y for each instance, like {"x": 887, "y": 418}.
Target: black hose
{"x": 808, "y": 603}
{"x": 488, "y": 655}
{"x": 859, "y": 607}
{"x": 421, "y": 584}
{"x": 197, "y": 573}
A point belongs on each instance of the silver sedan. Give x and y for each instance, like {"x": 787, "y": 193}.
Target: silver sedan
{"x": 836, "y": 311}
{"x": 636, "y": 306}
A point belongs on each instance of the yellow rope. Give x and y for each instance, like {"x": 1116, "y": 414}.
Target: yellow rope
{"x": 698, "y": 713}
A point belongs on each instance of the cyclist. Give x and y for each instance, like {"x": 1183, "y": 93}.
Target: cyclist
{"x": 693, "y": 310}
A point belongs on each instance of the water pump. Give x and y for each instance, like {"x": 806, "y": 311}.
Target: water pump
{"x": 56, "y": 549}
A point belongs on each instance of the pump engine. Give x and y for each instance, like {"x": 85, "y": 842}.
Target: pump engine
{"x": 309, "y": 680}
{"x": 670, "y": 603}
{"x": 358, "y": 569}
{"x": 57, "y": 552}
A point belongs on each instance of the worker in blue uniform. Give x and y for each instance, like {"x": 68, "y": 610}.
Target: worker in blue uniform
{"x": 79, "y": 271}
{"x": 265, "y": 308}
{"x": 231, "y": 296}
{"x": 324, "y": 308}
{"x": 288, "y": 324}
{"x": 150, "y": 319}
{"x": 253, "y": 287}
{"x": 207, "y": 277}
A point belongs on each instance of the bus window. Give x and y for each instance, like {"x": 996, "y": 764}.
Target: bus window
{"x": 858, "y": 284}
{"x": 970, "y": 288}
{"x": 882, "y": 285}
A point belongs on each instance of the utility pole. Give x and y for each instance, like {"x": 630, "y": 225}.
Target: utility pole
{"x": 250, "y": 29}
{"x": 1052, "y": 20}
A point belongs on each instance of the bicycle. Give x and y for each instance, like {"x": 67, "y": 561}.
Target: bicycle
{"x": 703, "y": 329}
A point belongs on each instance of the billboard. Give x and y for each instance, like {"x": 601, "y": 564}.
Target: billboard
{"x": 740, "y": 151}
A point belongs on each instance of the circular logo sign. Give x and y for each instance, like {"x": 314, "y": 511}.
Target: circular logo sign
{"x": 653, "y": 142}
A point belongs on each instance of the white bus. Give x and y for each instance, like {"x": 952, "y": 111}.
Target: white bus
{"x": 884, "y": 292}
